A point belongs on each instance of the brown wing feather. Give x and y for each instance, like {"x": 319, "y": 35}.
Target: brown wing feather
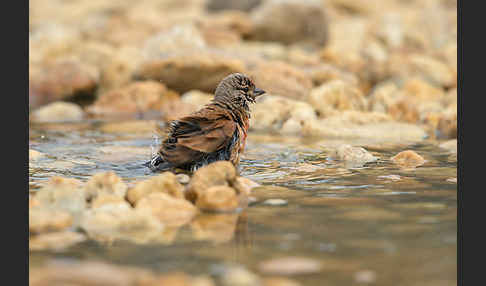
{"x": 206, "y": 131}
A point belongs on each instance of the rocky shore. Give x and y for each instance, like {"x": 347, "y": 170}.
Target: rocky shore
{"x": 381, "y": 71}
{"x": 331, "y": 68}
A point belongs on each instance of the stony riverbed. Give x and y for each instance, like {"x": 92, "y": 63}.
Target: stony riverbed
{"x": 350, "y": 171}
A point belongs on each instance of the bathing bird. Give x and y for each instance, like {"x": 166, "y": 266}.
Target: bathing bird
{"x": 216, "y": 132}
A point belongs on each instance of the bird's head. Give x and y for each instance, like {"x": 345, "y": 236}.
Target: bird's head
{"x": 237, "y": 89}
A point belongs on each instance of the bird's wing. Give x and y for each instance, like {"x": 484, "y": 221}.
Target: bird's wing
{"x": 203, "y": 131}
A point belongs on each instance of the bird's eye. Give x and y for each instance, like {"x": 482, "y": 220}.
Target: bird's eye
{"x": 245, "y": 89}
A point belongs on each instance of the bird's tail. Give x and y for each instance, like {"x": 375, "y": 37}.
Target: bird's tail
{"x": 157, "y": 164}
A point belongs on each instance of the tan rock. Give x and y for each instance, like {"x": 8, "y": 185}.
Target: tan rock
{"x": 218, "y": 228}
{"x": 336, "y": 96}
{"x": 383, "y": 96}
{"x": 426, "y": 67}
{"x": 408, "y": 158}
{"x": 239, "y": 276}
{"x": 169, "y": 210}
{"x": 105, "y": 183}
{"x": 183, "y": 178}
{"x": 55, "y": 240}
{"x": 175, "y": 278}
{"x": 33, "y": 202}
{"x": 449, "y": 54}
{"x": 106, "y": 199}
{"x": 346, "y": 40}
{"x": 244, "y": 185}
{"x": 137, "y": 97}
{"x": 197, "y": 98}
{"x": 60, "y": 80}
{"x": 182, "y": 72}
{"x": 95, "y": 273}
{"x": 450, "y": 145}
{"x": 290, "y": 266}
{"x": 450, "y": 97}
{"x": 378, "y": 131}
{"x": 370, "y": 214}
{"x": 35, "y": 155}
{"x": 447, "y": 125}
{"x": 220, "y": 37}
{"x": 323, "y": 73}
{"x": 279, "y": 281}
{"x": 355, "y": 155}
{"x": 365, "y": 276}
{"x": 180, "y": 37}
{"x": 220, "y": 173}
{"x": 287, "y": 117}
{"x": 112, "y": 222}
{"x": 130, "y": 126}
{"x": 43, "y": 219}
{"x": 217, "y": 198}
{"x": 51, "y": 41}
{"x": 279, "y": 78}
{"x": 189, "y": 102}
{"x": 415, "y": 101}
{"x": 358, "y": 7}
{"x": 232, "y": 21}
{"x": 304, "y": 22}
{"x": 165, "y": 182}
{"x": 63, "y": 194}
{"x": 58, "y": 112}
{"x": 117, "y": 71}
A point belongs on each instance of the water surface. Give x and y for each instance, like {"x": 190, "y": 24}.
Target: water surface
{"x": 397, "y": 223}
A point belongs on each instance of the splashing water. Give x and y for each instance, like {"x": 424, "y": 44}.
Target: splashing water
{"x": 154, "y": 145}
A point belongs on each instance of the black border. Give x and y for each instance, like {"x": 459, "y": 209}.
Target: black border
{"x": 460, "y": 141}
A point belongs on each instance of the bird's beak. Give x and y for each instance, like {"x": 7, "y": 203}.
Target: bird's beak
{"x": 258, "y": 91}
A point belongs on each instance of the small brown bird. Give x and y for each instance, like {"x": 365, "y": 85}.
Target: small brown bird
{"x": 216, "y": 132}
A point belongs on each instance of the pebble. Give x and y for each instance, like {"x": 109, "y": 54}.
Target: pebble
{"x": 408, "y": 159}
{"x": 450, "y": 145}
{"x": 120, "y": 222}
{"x": 365, "y": 276}
{"x": 105, "y": 183}
{"x": 62, "y": 194}
{"x": 169, "y": 210}
{"x": 291, "y": 265}
{"x": 46, "y": 219}
{"x": 351, "y": 154}
{"x": 279, "y": 281}
{"x": 165, "y": 182}
{"x": 452, "y": 180}
{"x": 218, "y": 198}
{"x": 183, "y": 179}
{"x": 275, "y": 202}
{"x": 58, "y": 112}
{"x": 239, "y": 276}
{"x": 220, "y": 173}
{"x": 218, "y": 228}
{"x": 244, "y": 185}
{"x": 55, "y": 240}
{"x": 35, "y": 155}
{"x": 390, "y": 177}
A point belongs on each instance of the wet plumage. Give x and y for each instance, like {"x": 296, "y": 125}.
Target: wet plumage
{"x": 216, "y": 132}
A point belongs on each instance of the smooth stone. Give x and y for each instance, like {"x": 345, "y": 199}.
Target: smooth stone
{"x": 290, "y": 266}
{"x": 55, "y": 240}
{"x": 275, "y": 202}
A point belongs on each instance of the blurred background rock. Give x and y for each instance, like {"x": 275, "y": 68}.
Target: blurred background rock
{"x": 386, "y": 60}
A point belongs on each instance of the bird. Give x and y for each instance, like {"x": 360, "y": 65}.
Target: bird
{"x": 216, "y": 132}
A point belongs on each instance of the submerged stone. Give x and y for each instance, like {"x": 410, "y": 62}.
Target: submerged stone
{"x": 165, "y": 182}
{"x": 408, "y": 158}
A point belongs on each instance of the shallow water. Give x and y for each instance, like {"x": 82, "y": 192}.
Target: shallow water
{"x": 398, "y": 223}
